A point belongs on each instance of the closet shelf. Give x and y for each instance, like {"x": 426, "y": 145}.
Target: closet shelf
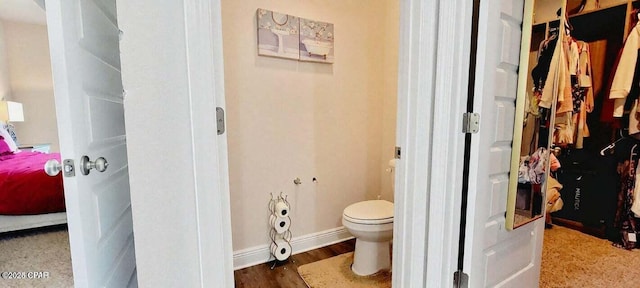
{"x": 610, "y": 6}
{"x": 602, "y": 8}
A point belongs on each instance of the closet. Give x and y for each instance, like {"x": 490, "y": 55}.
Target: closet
{"x": 589, "y": 173}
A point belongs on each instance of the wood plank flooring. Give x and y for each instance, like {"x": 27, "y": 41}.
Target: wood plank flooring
{"x": 286, "y": 275}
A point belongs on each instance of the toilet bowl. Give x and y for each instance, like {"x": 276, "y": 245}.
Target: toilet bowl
{"x": 371, "y": 222}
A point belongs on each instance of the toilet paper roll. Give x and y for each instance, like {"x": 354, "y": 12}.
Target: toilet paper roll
{"x": 282, "y": 209}
{"x": 280, "y": 224}
{"x": 281, "y": 250}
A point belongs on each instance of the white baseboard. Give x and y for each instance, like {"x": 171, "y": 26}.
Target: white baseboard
{"x": 260, "y": 254}
{"x": 20, "y": 222}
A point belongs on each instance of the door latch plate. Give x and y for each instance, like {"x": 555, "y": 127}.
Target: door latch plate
{"x": 220, "y": 120}
{"x": 68, "y": 168}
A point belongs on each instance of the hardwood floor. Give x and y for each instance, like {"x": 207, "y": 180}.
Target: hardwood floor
{"x": 286, "y": 275}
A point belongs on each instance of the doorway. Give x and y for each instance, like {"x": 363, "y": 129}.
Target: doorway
{"x": 88, "y": 93}
{"x": 332, "y": 125}
{"x": 593, "y": 166}
{"x": 39, "y": 241}
{"x": 432, "y": 63}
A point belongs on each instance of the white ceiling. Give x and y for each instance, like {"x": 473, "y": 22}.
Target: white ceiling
{"x": 25, "y": 11}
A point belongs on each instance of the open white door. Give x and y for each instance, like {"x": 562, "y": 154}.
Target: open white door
{"x": 85, "y": 58}
{"x": 493, "y": 256}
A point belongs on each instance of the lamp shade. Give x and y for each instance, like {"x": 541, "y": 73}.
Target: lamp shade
{"x": 11, "y": 111}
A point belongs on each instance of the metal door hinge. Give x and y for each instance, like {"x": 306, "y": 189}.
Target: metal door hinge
{"x": 460, "y": 280}
{"x": 398, "y": 154}
{"x": 220, "y": 120}
{"x": 470, "y": 122}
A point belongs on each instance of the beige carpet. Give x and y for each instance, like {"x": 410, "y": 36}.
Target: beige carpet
{"x": 37, "y": 251}
{"x": 336, "y": 272}
{"x": 574, "y": 259}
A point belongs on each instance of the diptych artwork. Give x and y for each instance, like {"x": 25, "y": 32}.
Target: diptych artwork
{"x": 286, "y": 36}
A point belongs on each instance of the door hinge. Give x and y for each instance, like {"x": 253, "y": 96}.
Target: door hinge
{"x": 460, "y": 279}
{"x": 398, "y": 154}
{"x": 470, "y": 122}
{"x": 220, "y": 120}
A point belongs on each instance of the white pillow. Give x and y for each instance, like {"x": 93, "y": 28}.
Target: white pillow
{"x": 7, "y": 138}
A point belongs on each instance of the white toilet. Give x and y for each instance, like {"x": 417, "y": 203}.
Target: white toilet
{"x": 371, "y": 222}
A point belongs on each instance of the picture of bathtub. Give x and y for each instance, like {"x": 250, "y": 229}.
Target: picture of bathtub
{"x": 316, "y": 41}
{"x": 278, "y": 34}
{"x": 318, "y": 48}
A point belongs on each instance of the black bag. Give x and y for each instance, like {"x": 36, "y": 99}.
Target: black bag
{"x": 590, "y": 188}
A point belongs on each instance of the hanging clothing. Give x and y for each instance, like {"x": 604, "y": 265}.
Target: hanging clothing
{"x": 550, "y": 86}
{"x": 559, "y": 80}
{"x": 635, "y": 207}
{"x": 573, "y": 55}
{"x": 585, "y": 82}
{"x": 608, "y": 104}
{"x": 564, "y": 130}
{"x": 568, "y": 65}
{"x": 625, "y": 221}
{"x": 546, "y": 51}
{"x": 584, "y": 70}
{"x": 539, "y": 74}
{"x": 624, "y": 75}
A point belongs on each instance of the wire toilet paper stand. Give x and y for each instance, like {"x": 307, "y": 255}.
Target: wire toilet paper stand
{"x": 280, "y": 232}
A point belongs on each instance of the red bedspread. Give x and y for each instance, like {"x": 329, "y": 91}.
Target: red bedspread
{"x": 25, "y": 188}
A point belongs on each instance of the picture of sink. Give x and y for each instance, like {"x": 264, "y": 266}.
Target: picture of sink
{"x": 278, "y": 34}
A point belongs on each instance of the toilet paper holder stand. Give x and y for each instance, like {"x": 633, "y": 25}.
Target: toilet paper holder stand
{"x": 273, "y": 234}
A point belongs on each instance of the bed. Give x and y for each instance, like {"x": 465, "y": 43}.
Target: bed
{"x": 29, "y": 198}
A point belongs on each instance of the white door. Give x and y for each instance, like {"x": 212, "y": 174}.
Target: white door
{"x": 493, "y": 256}
{"x": 85, "y": 58}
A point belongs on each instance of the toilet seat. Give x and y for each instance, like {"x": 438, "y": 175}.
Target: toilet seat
{"x": 372, "y": 212}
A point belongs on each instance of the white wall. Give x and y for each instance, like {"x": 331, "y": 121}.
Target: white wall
{"x": 546, "y": 10}
{"x": 5, "y": 85}
{"x": 390, "y": 93}
{"x": 31, "y": 82}
{"x": 289, "y": 119}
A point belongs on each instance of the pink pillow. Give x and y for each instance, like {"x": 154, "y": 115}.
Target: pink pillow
{"x": 4, "y": 147}
{"x": 7, "y": 138}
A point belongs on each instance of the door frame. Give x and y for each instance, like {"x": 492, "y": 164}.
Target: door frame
{"x": 197, "y": 251}
{"x": 206, "y": 63}
{"x": 434, "y": 37}
{"x": 432, "y": 96}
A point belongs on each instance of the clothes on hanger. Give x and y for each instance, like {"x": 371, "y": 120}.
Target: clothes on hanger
{"x": 623, "y": 81}
{"x": 585, "y": 101}
{"x": 569, "y": 82}
{"x": 546, "y": 51}
{"x": 625, "y": 220}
